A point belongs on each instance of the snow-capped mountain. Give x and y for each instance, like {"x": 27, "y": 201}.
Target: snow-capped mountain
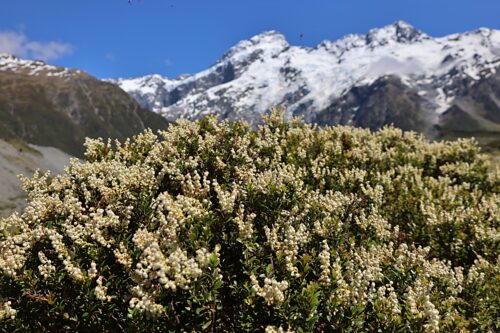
{"x": 338, "y": 77}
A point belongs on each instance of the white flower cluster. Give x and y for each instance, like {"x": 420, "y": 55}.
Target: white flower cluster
{"x": 274, "y": 329}
{"x": 272, "y": 291}
{"x": 122, "y": 256}
{"x": 383, "y": 221}
{"x": 101, "y": 291}
{"x": 92, "y": 271}
{"x": 420, "y": 305}
{"x": 46, "y": 268}
{"x": 288, "y": 248}
{"x": 6, "y": 311}
{"x": 244, "y": 223}
{"x": 324, "y": 259}
{"x": 13, "y": 252}
{"x": 226, "y": 199}
{"x": 145, "y": 302}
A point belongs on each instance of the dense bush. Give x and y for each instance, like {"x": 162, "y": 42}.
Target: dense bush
{"x": 218, "y": 227}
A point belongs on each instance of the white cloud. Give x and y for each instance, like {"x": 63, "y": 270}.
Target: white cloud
{"x": 168, "y": 62}
{"x": 19, "y": 44}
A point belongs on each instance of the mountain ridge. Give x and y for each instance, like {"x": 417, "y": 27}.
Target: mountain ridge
{"x": 58, "y": 107}
{"x": 266, "y": 71}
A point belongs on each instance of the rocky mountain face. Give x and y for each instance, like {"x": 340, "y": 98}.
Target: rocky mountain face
{"x": 397, "y": 74}
{"x": 58, "y": 107}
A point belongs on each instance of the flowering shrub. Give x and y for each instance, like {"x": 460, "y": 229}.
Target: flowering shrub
{"x": 287, "y": 228}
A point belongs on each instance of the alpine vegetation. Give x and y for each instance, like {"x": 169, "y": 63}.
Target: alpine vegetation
{"x": 289, "y": 227}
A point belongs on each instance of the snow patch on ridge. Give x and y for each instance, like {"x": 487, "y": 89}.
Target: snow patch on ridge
{"x": 11, "y": 63}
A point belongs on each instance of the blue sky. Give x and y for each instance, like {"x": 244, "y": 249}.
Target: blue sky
{"x": 111, "y": 38}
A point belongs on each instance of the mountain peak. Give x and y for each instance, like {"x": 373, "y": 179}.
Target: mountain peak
{"x": 270, "y": 43}
{"x": 483, "y": 31}
{"x": 403, "y": 25}
{"x": 399, "y": 32}
{"x": 155, "y": 78}
{"x": 268, "y": 36}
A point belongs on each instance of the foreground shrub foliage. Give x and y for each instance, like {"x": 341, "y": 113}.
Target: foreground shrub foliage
{"x": 218, "y": 227}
